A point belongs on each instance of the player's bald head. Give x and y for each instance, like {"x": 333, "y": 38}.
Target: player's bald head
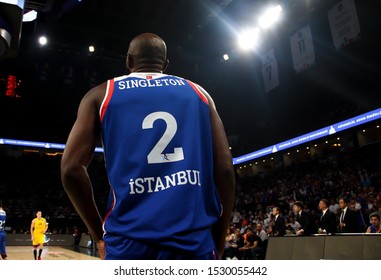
{"x": 147, "y": 50}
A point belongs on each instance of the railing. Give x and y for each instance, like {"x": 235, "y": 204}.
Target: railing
{"x": 331, "y": 247}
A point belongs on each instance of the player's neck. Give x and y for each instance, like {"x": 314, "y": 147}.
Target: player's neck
{"x": 147, "y": 69}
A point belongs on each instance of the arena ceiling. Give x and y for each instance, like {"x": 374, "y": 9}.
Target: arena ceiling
{"x": 198, "y": 33}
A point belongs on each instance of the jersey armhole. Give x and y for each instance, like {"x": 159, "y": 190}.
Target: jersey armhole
{"x": 199, "y": 93}
{"x": 107, "y": 98}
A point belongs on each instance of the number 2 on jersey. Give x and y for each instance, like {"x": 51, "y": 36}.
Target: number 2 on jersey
{"x": 156, "y": 155}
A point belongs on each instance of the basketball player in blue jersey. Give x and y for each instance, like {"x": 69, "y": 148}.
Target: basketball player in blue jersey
{"x": 167, "y": 159}
{"x": 3, "y": 217}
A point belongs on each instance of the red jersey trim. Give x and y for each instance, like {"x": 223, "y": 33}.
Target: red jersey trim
{"x": 199, "y": 93}
{"x": 109, "y": 211}
{"x": 107, "y": 98}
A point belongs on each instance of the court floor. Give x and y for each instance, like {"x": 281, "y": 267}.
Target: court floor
{"x": 51, "y": 253}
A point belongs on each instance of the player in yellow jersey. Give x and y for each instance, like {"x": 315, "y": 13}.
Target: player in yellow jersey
{"x": 37, "y": 231}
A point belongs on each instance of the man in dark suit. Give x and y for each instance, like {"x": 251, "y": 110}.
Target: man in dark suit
{"x": 327, "y": 223}
{"x": 303, "y": 218}
{"x": 348, "y": 219}
{"x": 279, "y": 226}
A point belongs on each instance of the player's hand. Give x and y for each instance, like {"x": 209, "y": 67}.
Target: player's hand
{"x": 101, "y": 245}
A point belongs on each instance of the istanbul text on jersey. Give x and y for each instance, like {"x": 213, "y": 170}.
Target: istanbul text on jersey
{"x": 157, "y": 184}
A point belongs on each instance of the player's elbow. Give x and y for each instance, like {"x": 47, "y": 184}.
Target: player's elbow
{"x": 224, "y": 165}
{"x": 69, "y": 172}
{"x": 224, "y": 172}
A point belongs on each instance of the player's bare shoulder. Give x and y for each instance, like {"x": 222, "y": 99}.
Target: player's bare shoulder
{"x": 96, "y": 95}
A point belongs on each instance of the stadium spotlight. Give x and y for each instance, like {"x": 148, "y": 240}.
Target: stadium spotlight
{"x": 248, "y": 39}
{"x": 42, "y": 40}
{"x": 91, "y": 49}
{"x": 270, "y": 17}
{"x": 29, "y": 16}
{"x": 226, "y": 57}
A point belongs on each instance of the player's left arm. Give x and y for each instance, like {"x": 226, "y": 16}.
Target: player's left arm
{"x": 223, "y": 174}
{"x": 76, "y": 158}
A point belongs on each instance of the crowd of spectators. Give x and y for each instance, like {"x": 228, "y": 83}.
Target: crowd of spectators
{"x": 345, "y": 185}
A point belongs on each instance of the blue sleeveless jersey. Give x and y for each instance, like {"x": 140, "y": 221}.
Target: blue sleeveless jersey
{"x": 158, "y": 149}
{"x": 3, "y": 217}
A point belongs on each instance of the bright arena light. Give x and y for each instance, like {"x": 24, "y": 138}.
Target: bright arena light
{"x": 91, "y": 49}
{"x": 29, "y": 16}
{"x": 226, "y": 57}
{"x": 248, "y": 39}
{"x": 270, "y": 17}
{"x": 43, "y": 40}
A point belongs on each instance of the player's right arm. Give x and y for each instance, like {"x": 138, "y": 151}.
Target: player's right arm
{"x": 223, "y": 174}
{"x": 76, "y": 158}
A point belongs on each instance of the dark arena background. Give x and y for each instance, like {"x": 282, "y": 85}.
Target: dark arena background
{"x": 296, "y": 83}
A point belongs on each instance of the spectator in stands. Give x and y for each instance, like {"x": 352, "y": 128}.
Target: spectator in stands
{"x": 240, "y": 242}
{"x": 375, "y": 223}
{"x": 253, "y": 247}
{"x": 334, "y": 207}
{"x": 357, "y": 208}
{"x": 327, "y": 222}
{"x": 261, "y": 232}
{"x": 268, "y": 221}
{"x": 236, "y": 219}
{"x": 303, "y": 219}
{"x": 229, "y": 241}
{"x": 292, "y": 226}
{"x": 347, "y": 220}
{"x": 371, "y": 205}
{"x": 279, "y": 225}
{"x": 377, "y": 201}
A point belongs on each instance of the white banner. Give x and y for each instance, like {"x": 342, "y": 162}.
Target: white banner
{"x": 192, "y": 270}
{"x": 302, "y": 49}
{"x": 270, "y": 71}
{"x": 344, "y": 23}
